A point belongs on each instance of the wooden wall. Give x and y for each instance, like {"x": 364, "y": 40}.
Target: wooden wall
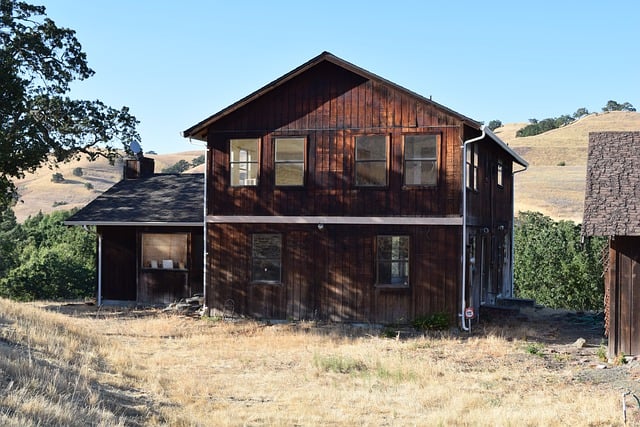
{"x": 124, "y": 280}
{"x": 330, "y": 106}
{"x": 623, "y": 283}
{"x": 329, "y": 274}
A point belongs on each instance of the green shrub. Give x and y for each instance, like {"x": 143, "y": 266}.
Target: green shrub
{"x": 432, "y": 322}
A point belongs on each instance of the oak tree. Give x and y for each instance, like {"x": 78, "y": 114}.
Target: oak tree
{"x": 39, "y": 123}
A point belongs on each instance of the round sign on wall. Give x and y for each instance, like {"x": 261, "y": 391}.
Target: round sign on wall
{"x": 469, "y": 313}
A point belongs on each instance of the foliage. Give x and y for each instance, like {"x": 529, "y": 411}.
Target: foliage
{"x": 88, "y": 186}
{"x": 536, "y": 127}
{"x": 614, "y": 106}
{"x": 48, "y": 260}
{"x": 580, "y": 112}
{"x": 432, "y": 322}
{"x": 38, "y": 122}
{"x": 197, "y": 161}
{"x": 10, "y": 235}
{"x": 179, "y": 167}
{"x": 494, "y": 124}
{"x": 339, "y": 364}
{"x": 553, "y": 267}
{"x": 57, "y": 177}
{"x": 77, "y": 171}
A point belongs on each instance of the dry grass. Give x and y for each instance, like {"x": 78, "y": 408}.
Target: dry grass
{"x": 149, "y": 368}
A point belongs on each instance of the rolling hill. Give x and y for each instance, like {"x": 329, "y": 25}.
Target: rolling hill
{"x": 553, "y": 184}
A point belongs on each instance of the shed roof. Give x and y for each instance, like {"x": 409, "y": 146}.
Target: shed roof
{"x": 162, "y": 199}
{"x": 612, "y": 193}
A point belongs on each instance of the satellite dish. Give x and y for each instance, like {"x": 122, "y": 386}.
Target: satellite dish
{"x": 135, "y": 147}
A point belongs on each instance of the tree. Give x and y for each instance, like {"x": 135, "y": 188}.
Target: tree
{"x": 38, "y": 123}
{"x": 179, "y": 167}
{"x": 494, "y": 124}
{"x": 614, "y": 106}
{"x": 580, "y": 112}
{"x": 553, "y": 267}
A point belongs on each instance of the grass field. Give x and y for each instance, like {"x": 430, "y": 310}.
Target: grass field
{"x": 78, "y": 365}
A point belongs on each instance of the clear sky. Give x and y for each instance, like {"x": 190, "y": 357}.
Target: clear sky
{"x": 175, "y": 63}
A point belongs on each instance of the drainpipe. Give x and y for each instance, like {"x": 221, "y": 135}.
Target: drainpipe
{"x": 513, "y": 220}
{"x": 205, "y": 250}
{"x": 463, "y": 299}
{"x": 99, "y": 270}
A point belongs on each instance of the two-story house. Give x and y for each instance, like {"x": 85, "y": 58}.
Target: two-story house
{"x": 334, "y": 194}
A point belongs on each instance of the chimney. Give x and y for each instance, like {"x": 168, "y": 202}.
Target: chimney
{"x": 141, "y": 167}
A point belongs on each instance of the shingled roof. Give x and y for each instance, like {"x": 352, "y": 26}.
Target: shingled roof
{"x": 162, "y": 199}
{"x": 612, "y": 194}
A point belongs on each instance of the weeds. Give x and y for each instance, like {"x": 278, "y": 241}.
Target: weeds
{"x": 432, "y": 322}
{"x": 535, "y": 349}
{"x": 339, "y": 364}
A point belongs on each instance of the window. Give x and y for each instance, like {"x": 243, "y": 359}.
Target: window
{"x": 266, "y": 258}
{"x": 371, "y": 161}
{"x": 420, "y": 159}
{"x": 243, "y": 161}
{"x": 289, "y": 161}
{"x": 165, "y": 250}
{"x": 499, "y": 178}
{"x": 472, "y": 167}
{"x": 393, "y": 260}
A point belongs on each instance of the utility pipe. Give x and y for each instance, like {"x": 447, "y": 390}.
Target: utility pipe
{"x": 513, "y": 220}
{"x": 463, "y": 299}
{"x": 99, "y": 270}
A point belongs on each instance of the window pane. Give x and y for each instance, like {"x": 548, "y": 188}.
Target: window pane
{"x": 371, "y": 147}
{"x": 420, "y": 147}
{"x": 289, "y": 174}
{"x": 164, "y": 250}
{"x": 266, "y": 260}
{"x": 243, "y": 159}
{"x": 289, "y": 149}
{"x": 393, "y": 260}
{"x": 244, "y": 150}
{"x": 420, "y": 172}
{"x": 244, "y": 174}
{"x": 371, "y": 173}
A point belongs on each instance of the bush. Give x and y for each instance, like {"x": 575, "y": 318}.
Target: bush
{"x": 432, "y": 322}
{"x": 57, "y": 177}
{"x": 77, "y": 172}
{"x": 552, "y": 266}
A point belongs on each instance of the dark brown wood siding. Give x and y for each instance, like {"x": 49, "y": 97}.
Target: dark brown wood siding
{"x": 124, "y": 280}
{"x": 623, "y": 282}
{"x": 330, "y": 274}
{"x": 330, "y": 106}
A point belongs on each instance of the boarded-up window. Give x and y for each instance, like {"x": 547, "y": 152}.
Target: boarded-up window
{"x": 266, "y": 258}
{"x": 421, "y": 159}
{"x": 371, "y": 161}
{"x": 243, "y": 161}
{"x": 289, "y": 161}
{"x": 165, "y": 250}
{"x": 392, "y": 260}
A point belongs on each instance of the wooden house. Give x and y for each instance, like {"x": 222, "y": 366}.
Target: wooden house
{"x": 149, "y": 235}
{"x": 612, "y": 209}
{"x": 334, "y": 194}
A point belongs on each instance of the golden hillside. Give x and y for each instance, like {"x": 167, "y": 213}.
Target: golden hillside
{"x": 37, "y": 193}
{"x": 555, "y": 181}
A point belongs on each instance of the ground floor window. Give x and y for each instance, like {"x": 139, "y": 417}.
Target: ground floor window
{"x": 165, "y": 250}
{"x": 266, "y": 258}
{"x": 392, "y": 255}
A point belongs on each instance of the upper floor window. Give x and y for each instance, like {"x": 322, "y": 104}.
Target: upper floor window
{"x": 421, "y": 159}
{"x": 392, "y": 260}
{"x": 371, "y": 161}
{"x": 289, "y": 161}
{"x": 243, "y": 161}
{"x": 266, "y": 258}
{"x": 472, "y": 167}
{"x": 499, "y": 178}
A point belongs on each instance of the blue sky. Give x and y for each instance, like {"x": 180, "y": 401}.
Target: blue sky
{"x": 175, "y": 63}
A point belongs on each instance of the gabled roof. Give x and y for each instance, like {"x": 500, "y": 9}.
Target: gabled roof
{"x": 199, "y": 130}
{"x": 163, "y": 199}
{"x": 612, "y": 193}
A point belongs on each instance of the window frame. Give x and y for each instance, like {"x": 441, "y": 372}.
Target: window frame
{"x": 405, "y": 263}
{"x": 471, "y": 163}
{"x": 277, "y": 162}
{"x": 253, "y": 182}
{"x": 384, "y": 161}
{"x": 178, "y": 256}
{"x": 434, "y": 160}
{"x": 254, "y": 259}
